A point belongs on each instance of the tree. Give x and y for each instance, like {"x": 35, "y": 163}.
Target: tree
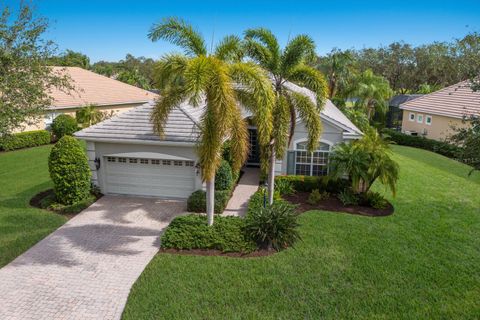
{"x": 371, "y": 92}
{"x": 288, "y": 65}
{"x": 133, "y": 78}
{"x": 365, "y": 161}
{"x": 90, "y": 115}
{"x": 220, "y": 82}
{"x": 25, "y": 77}
{"x": 70, "y": 58}
{"x": 338, "y": 67}
{"x": 468, "y": 138}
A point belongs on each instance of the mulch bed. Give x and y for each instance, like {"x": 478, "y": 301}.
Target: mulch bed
{"x": 334, "y": 204}
{"x": 211, "y": 252}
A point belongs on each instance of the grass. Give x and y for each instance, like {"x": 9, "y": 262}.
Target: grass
{"x": 423, "y": 262}
{"x": 23, "y": 174}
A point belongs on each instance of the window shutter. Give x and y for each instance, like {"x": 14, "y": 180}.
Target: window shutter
{"x": 290, "y": 162}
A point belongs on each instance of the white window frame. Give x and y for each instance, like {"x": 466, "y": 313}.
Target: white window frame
{"x": 410, "y": 118}
{"x": 311, "y": 163}
{"x": 419, "y": 118}
{"x": 427, "y": 117}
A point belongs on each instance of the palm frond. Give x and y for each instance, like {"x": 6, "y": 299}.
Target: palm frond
{"x": 310, "y": 115}
{"x": 281, "y": 118}
{"x": 169, "y": 70}
{"x": 169, "y": 99}
{"x": 239, "y": 134}
{"x": 298, "y": 50}
{"x": 266, "y": 38}
{"x": 180, "y": 33}
{"x": 230, "y": 49}
{"x": 312, "y": 79}
{"x": 197, "y": 76}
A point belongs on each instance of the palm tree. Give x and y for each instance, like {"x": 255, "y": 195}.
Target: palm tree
{"x": 285, "y": 67}
{"x": 218, "y": 80}
{"x": 338, "y": 68}
{"x": 365, "y": 161}
{"x": 372, "y": 93}
{"x": 89, "y": 115}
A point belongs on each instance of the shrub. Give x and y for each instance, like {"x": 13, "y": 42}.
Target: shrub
{"x": 375, "y": 200}
{"x": 273, "y": 227}
{"x": 308, "y": 184}
{"x": 69, "y": 170}
{"x": 284, "y": 186}
{"x": 258, "y": 199}
{"x": 25, "y": 140}
{"x": 197, "y": 202}
{"x": 440, "y": 147}
{"x": 64, "y": 125}
{"x": 316, "y": 196}
{"x": 192, "y": 232}
{"x": 347, "y": 197}
{"x": 223, "y": 177}
{"x": 50, "y": 202}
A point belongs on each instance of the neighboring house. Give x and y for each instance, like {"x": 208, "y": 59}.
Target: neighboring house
{"x": 127, "y": 157}
{"x": 433, "y": 115}
{"x": 111, "y": 96}
{"x": 395, "y": 114}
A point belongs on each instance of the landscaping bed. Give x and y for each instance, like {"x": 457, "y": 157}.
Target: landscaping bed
{"x": 332, "y": 203}
{"x": 46, "y": 200}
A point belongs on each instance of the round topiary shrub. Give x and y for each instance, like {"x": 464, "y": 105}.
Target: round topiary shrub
{"x": 69, "y": 170}
{"x": 223, "y": 177}
{"x": 64, "y": 125}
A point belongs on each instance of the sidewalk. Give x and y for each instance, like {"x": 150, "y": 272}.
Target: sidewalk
{"x": 248, "y": 184}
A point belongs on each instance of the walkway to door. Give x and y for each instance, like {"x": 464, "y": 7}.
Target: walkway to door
{"x": 248, "y": 184}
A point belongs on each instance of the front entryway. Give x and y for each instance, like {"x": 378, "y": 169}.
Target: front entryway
{"x": 254, "y": 152}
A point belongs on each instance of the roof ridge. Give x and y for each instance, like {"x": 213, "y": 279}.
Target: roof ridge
{"x": 188, "y": 115}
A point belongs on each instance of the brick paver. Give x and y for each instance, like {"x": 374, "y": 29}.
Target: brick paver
{"x": 247, "y": 186}
{"x": 85, "y": 269}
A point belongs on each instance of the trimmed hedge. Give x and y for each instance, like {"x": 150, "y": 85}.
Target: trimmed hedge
{"x": 308, "y": 183}
{"x": 192, "y": 232}
{"x": 64, "y": 125}
{"x": 440, "y": 147}
{"x": 69, "y": 170}
{"x": 197, "y": 202}
{"x": 25, "y": 140}
{"x": 223, "y": 177}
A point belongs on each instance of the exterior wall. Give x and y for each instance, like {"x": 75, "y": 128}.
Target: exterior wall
{"x": 100, "y": 149}
{"x": 330, "y": 135}
{"x": 439, "y": 129}
{"x": 39, "y": 123}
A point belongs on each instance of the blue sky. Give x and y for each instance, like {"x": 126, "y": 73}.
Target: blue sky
{"x": 108, "y": 30}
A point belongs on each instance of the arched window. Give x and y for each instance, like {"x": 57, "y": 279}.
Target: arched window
{"x": 311, "y": 163}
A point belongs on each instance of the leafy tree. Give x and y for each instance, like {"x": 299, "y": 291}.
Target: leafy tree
{"x": 288, "y": 65}
{"x": 426, "y": 88}
{"x": 133, "y": 78}
{"x": 338, "y": 67}
{"x": 468, "y": 138}
{"x": 365, "y": 161}
{"x": 220, "y": 81}
{"x": 71, "y": 58}
{"x": 25, "y": 77}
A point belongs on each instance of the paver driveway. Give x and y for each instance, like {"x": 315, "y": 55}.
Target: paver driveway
{"x": 85, "y": 269}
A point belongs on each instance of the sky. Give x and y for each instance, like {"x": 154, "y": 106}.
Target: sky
{"x": 108, "y": 30}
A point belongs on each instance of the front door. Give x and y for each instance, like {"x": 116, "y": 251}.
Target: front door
{"x": 254, "y": 153}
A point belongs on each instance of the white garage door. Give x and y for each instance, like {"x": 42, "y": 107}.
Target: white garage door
{"x": 149, "y": 177}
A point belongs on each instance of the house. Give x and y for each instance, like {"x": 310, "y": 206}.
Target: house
{"x": 395, "y": 114}
{"x": 109, "y": 95}
{"x": 433, "y": 115}
{"x": 127, "y": 157}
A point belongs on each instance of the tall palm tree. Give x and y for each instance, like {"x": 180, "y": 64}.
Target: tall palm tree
{"x": 218, "y": 80}
{"x": 287, "y": 66}
{"x": 338, "y": 68}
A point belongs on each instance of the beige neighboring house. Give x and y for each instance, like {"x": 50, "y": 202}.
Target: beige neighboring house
{"x": 109, "y": 95}
{"x": 433, "y": 115}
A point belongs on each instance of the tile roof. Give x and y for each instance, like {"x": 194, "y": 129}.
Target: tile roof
{"x": 397, "y": 100}
{"x": 454, "y": 101}
{"x": 93, "y": 88}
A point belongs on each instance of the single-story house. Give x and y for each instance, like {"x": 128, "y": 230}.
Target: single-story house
{"x": 433, "y": 115}
{"x": 90, "y": 88}
{"x": 127, "y": 157}
{"x": 395, "y": 114}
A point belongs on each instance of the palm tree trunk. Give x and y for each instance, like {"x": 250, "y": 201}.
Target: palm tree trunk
{"x": 210, "y": 200}
{"x": 271, "y": 175}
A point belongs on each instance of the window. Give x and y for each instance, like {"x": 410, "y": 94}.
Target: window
{"x": 420, "y": 118}
{"x": 428, "y": 120}
{"x": 166, "y": 162}
{"x": 122, "y": 160}
{"x": 178, "y": 163}
{"x": 144, "y": 161}
{"x": 132, "y": 160}
{"x": 155, "y": 161}
{"x": 311, "y": 163}
{"x": 111, "y": 159}
{"x": 411, "y": 116}
{"x": 189, "y": 163}
{"x": 48, "y": 119}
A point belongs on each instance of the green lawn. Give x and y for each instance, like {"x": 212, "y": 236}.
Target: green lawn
{"x": 23, "y": 174}
{"x": 423, "y": 262}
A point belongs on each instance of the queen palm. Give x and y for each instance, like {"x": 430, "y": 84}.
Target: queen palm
{"x": 285, "y": 67}
{"x": 218, "y": 80}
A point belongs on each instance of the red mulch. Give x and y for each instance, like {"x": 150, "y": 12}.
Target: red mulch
{"x": 211, "y": 252}
{"x": 332, "y": 203}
